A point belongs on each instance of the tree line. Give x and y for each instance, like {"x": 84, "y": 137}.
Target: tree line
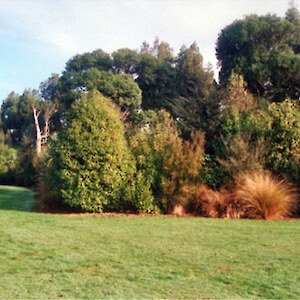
{"x": 147, "y": 130}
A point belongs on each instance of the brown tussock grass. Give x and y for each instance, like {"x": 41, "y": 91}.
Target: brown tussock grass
{"x": 220, "y": 204}
{"x": 215, "y": 204}
{"x": 264, "y": 196}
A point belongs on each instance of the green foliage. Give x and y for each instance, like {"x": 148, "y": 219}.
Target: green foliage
{"x": 261, "y": 49}
{"x": 255, "y": 139}
{"x": 156, "y": 79}
{"x": 48, "y": 88}
{"x": 192, "y": 78}
{"x": 90, "y": 166}
{"x": 120, "y": 88}
{"x": 179, "y": 85}
{"x": 141, "y": 195}
{"x": 165, "y": 160}
{"x": 83, "y": 62}
{"x": 125, "y": 61}
{"x": 8, "y": 163}
{"x": 252, "y": 124}
{"x": 16, "y": 115}
{"x": 238, "y": 144}
{"x": 293, "y": 16}
{"x": 283, "y": 140}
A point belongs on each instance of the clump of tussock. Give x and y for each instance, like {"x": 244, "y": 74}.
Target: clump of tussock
{"x": 263, "y": 196}
{"x": 215, "y": 204}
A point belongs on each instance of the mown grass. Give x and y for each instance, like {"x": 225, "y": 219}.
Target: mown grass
{"x": 50, "y": 256}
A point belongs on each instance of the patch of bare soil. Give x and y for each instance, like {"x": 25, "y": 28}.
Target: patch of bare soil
{"x": 120, "y": 215}
{"x": 178, "y": 211}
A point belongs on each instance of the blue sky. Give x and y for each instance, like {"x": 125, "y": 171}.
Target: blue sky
{"x": 37, "y": 37}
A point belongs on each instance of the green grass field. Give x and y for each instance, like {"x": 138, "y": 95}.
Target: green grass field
{"x": 50, "y": 256}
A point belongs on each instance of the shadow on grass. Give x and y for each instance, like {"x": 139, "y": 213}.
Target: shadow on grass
{"x": 16, "y": 198}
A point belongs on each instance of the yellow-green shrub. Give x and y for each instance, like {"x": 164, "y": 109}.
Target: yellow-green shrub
{"x": 89, "y": 165}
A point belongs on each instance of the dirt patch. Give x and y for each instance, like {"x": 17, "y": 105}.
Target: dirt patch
{"x": 119, "y": 215}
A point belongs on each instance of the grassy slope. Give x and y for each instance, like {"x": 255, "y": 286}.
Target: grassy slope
{"x": 85, "y": 257}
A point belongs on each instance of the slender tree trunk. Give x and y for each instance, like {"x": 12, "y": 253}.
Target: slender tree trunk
{"x": 38, "y": 142}
{"x": 42, "y": 137}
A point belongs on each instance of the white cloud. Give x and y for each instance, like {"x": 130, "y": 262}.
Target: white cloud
{"x": 76, "y": 26}
{"x": 61, "y": 28}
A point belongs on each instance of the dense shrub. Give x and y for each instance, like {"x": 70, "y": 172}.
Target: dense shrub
{"x": 255, "y": 139}
{"x": 141, "y": 194}
{"x": 168, "y": 162}
{"x": 283, "y": 140}
{"x": 89, "y": 164}
{"x": 8, "y": 163}
{"x": 238, "y": 144}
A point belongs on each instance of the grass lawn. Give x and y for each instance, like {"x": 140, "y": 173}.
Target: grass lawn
{"x": 50, "y": 256}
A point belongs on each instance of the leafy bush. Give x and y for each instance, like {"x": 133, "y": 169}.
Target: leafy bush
{"x": 141, "y": 195}
{"x": 238, "y": 144}
{"x": 168, "y": 162}
{"x": 265, "y": 197}
{"x": 266, "y": 138}
{"x": 89, "y": 164}
{"x": 8, "y": 163}
{"x": 283, "y": 143}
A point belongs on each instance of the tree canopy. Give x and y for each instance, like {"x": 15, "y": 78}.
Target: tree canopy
{"x": 261, "y": 48}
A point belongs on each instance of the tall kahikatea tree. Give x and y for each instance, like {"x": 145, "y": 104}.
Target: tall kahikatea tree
{"x": 293, "y": 16}
{"x": 192, "y": 78}
{"x": 261, "y": 48}
{"x": 193, "y": 106}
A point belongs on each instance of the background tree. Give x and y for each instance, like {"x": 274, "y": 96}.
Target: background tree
{"x": 293, "y": 16}
{"x": 125, "y": 61}
{"x": 192, "y": 78}
{"x": 195, "y": 104}
{"x": 120, "y": 88}
{"x": 156, "y": 79}
{"x": 260, "y": 48}
{"x": 16, "y": 114}
{"x": 96, "y": 59}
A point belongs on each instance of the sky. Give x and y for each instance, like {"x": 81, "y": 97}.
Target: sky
{"x": 38, "y": 37}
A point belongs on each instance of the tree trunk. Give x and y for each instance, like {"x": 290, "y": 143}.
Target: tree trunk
{"x": 38, "y": 142}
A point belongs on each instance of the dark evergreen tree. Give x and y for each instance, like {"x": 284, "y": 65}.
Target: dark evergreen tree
{"x": 261, "y": 48}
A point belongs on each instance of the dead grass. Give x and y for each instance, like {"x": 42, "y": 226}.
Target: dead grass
{"x": 218, "y": 204}
{"x": 256, "y": 195}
